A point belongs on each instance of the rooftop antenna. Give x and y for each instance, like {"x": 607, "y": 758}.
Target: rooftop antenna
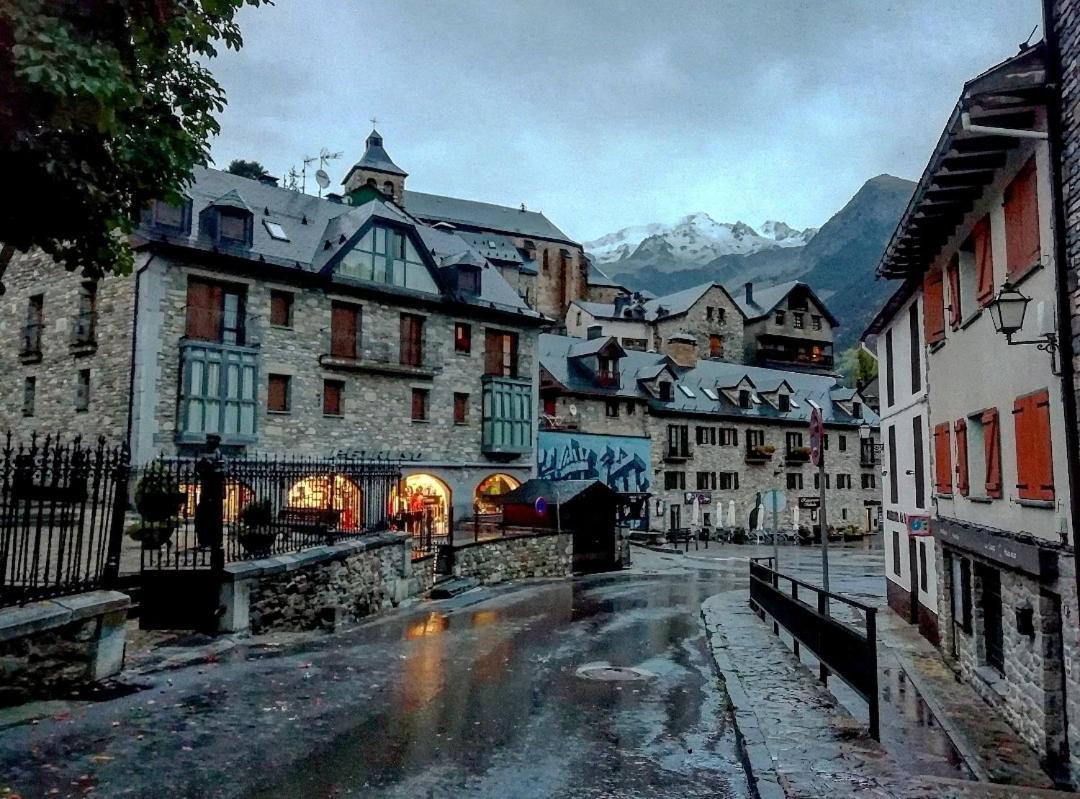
{"x": 321, "y": 177}
{"x": 1027, "y": 42}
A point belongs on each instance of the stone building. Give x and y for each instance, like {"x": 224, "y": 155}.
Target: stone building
{"x": 980, "y": 235}
{"x": 720, "y": 433}
{"x": 287, "y": 323}
{"x": 547, "y": 268}
{"x": 783, "y": 327}
{"x": 706, "y": 313}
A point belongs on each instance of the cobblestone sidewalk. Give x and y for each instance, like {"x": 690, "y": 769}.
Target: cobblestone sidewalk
{"x": 796, "y": 739}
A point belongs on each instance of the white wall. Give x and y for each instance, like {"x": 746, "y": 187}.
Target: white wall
{"x": 905, "y": 407}
{"x": 619, "y": 328}
{"x": 975, "y": 368}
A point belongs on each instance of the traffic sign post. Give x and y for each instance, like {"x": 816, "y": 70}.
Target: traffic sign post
{"x": 775, "y": 501}
{"x": 817, "y": 455}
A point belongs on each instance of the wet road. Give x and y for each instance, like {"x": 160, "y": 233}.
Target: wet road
{"x": 478, "y": 696}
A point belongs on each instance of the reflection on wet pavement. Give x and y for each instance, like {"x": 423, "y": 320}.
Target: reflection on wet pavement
{"x": 487, "y": 702}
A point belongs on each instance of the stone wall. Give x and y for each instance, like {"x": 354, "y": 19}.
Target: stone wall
{"x": 561, "y": 279}
{"x": 545, "y": 554}
{"x": 319, "y": 587}
{"x": 700, "y": 323}
{"x": 56, "y": 370}
{"x": 52, "y": 647}
{"x": 1029, "y": 691}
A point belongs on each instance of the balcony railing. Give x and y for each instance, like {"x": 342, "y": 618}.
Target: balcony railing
{"x": 388, "y": 357}
{"x": 607, "y": 378}
{"x": 507, "y": 417}
{"x": 678, "y": 454}
{"x": 30, "y": 344}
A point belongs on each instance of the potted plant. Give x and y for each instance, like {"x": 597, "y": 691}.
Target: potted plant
{"x": 256, "y": 535}
{"x": 158, "y": 500}
{"x": 158, "y": 497}
{"x": 763, "y": 450}
{"x": 798, "y": 454}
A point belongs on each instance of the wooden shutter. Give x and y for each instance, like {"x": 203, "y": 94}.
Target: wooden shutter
{"x": 204, "y": 306}
{"x": 461, "y": 408}
{"x": 962, "y": 485}
{"x": 419, "y": 404}
{"x": 955, "y": 310}
{"x": 984, "y": 261}
{"x": 992, "y": 452}
{"x": 934, "y": 308}
{"x": 942, "y": 459}
{"x": 277, "y": 393}
{"x": 280, "y": 308}
{"x": 343, "y": 329}
{"x": 1022, "y": 248}
{"x": 412, "y": 334}
{"x": 493, "y": 352}
{"x": 1034, "y": 455}
{"x": 332, "y": 398}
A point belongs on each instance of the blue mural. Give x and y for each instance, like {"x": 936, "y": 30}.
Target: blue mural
{"x": 622, "y": 462}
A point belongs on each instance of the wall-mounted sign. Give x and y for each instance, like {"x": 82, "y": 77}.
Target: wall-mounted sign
{"x": 700, "y": 497}
{"x": 809, "y": 503}
{"x": 918, "y": 525}
{"x": 540, "y": 506}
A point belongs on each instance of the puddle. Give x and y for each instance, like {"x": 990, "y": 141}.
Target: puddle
{"x": 911, "y": 733}
{"x": 605, "y": 672}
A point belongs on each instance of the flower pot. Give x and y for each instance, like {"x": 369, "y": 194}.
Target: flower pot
{"x": 257, "y": 544}
{"x": 152, "y": 536}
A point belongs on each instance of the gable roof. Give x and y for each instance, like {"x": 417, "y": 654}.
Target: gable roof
{"x": 376, "y": 159}
{"x": 318, "y": 231}
{"x": 655, "y": 309}
{"x": 554, "y": 354}
{"x": 485, "y": 216}
{"x": 767, "y": 299}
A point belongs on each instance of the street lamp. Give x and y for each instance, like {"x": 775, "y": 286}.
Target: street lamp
{"x": 865, "y": 433}
{"x": 1007, "y": 312}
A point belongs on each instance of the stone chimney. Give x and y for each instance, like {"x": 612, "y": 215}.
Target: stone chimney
{"x": 682, "y": 348}
{"x": 749, "y": 293}
{"x": 594, "y": 331}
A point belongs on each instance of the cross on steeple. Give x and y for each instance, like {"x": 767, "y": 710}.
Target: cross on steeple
{"x": 374, "y": 122}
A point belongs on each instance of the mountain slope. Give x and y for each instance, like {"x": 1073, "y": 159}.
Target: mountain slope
{"x": 837, "y": 261}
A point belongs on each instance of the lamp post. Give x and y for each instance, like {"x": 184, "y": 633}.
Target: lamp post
{"x": 1007, "y": 311}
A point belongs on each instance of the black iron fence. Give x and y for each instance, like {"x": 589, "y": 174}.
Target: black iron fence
{"x": 194, "y": 513}
{"x": 61, "y": 516}
{"x": 841, "y": 648}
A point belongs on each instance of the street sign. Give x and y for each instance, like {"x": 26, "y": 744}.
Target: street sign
{"x": 540, "y": 506}
{"x": 809, "y": 503}
{"x": 774, "y": 501}
{"x": 918, "y": 525}
{"x": 817, "y": 436}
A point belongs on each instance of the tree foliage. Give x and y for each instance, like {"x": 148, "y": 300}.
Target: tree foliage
{"x": 105, "y": 105}
{"x": 857, "y": 366}
{"x": 246, "y": 169}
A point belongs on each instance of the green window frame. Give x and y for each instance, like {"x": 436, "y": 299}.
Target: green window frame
{"x": 387, "y": 255}
{"x": 217, "y": 392}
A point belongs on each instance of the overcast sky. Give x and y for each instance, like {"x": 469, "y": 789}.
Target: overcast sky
{"x": 604, "y": 114}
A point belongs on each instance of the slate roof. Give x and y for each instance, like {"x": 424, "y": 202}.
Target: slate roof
{"x": 766, "y": 299}
{"x": 657, "y": 308}
{"x": 597, "y": 276}
{"x": 318, "y": 231}
{"x": 554, "y": 491}
{"x": 376, "y": 158}
{"x": 486, "y": 216}
{"x": 821, "y": 389}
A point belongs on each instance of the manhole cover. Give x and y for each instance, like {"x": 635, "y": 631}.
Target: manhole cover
{"x": 608, "y": 673}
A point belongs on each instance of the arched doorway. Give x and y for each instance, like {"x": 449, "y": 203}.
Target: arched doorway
{"x": 490, "y": 489}
{"x": 332, "y": 493}
{"x": 424, "y": 502}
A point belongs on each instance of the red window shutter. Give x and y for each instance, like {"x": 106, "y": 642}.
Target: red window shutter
{"x": 934, "y": 310}
{"x": 412, "y": 333}
{"x": 955, "y": 311}
{"x": 1022, "y": 248}
{"x": 332, "y": 398}
{"x": 1034, "y": 454}
{"x": 942, "y": 459}
{"x": 204, "y": 305}
{"x": 984, "y": 261}
{"x": 992, "y": 452}
{"x": 343, "y": 329}
{"x": 277, "y": 393}
{"x": 493, "y": 352}
{"x": 962, "y": 485}
{"x": 419, "y": 404}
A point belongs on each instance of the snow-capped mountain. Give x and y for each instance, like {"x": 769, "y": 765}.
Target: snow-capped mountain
{"x": 694, "y": 240}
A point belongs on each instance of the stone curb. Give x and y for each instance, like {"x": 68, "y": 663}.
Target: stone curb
{"x": 21, "y": 620}
{"x": 280, "y": 564}
{"x": 758, "y": 759}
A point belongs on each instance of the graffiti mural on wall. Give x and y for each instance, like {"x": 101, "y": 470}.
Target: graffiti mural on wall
{"x": 622, "y": 462}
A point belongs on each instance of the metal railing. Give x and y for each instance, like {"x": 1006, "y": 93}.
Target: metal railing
{"x": 30, "y": 341}
{"x": 84, "y": 329}
{"x": 844, "y": 650}
{"x": 61, "y": 516}
{"x": 205, "y": 512}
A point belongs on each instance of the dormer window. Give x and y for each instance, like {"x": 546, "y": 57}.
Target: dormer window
{"x": 387, "y": 255}
{"x": 744, "y": 398}
{"x": 856, "y": 410}
{"x": 170, "y": 218}
{"x": 665, "y": 391}
{"x": 468, "y": 278}
{"x": 232, "y": 227}
{"x": 783, "y": 402}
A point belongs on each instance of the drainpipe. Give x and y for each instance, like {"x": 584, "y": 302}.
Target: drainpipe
{"x": 134, "y": 347}
{"x": 1061, "y": 270}
{"x": 965, "y": 123}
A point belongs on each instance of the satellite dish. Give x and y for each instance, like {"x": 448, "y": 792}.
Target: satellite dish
{"x": 572, "y": 409}
{"x": 322, "y": 178}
